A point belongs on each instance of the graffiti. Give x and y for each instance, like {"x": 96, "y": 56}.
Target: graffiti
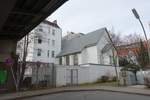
{"x": 3, "y": 76}
{"x": 9, "y": 62}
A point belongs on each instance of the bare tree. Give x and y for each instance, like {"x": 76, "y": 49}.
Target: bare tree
{"x": 115, "y": 37}
{"x": 132, "y": 38}
{"x": 23, "y": 48}
{"x": 22, "y": 52}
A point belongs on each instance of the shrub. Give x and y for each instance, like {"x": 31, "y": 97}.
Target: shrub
{"x": 104, "y": 79}
{"x": 114, "y": 78}
{"x": 98, "y": 80}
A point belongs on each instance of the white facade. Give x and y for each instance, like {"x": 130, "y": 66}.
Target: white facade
{"x": 89, "y": 55}
{"x": 45, "y": 43}
{"x": 92, "y": 54}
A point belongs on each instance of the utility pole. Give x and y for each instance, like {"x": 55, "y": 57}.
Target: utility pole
{"x": 115, "y": 65}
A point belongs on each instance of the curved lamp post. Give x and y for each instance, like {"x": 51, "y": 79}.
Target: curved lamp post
{"x": 138, "y": 17}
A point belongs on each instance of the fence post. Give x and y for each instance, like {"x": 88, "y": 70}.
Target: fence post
{"x": 53, "y": 75}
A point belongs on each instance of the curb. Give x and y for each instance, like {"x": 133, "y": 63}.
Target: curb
{"x": 76, "y": 90}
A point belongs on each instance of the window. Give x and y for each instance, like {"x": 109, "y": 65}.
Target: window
{"x": 48, "y": 53}
{"x": 53, "y": 54}
{"x": 53, "y": 32}
{"x": 67, "y": 60}
{"x": 75, "y": 59}
{"x": 48, "y": 41}
{"x": 40, "y": 29}
{"x": 60, "y": 61}
{"x": 49, "y": 30}
{"x": 110, "y": 59}
{"x": 39, "y": 52}
{"x": 39, "y": 40}
{"x": 53, "y": 42}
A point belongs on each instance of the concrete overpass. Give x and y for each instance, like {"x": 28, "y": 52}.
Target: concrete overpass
{"x": 18, "y": 18}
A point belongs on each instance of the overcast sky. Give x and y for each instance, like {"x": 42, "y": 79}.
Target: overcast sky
{"x": 88, "y": 15}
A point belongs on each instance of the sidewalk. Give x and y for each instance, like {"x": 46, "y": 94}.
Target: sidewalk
{"x": 20, "y": 95}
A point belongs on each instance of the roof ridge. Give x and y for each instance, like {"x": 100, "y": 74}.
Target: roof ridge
{"x": 77, "y": 44}
{"x": 87, "y": 33}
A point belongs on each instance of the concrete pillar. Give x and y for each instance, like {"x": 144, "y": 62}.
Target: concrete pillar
{"x": 57, "y": 61}
{"x": 64, "y": 60}
{"x": 71, "y": 60}
{"x": 6, "y": 47}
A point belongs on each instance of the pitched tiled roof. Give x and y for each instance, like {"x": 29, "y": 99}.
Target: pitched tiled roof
{"x": 123, "y": 50}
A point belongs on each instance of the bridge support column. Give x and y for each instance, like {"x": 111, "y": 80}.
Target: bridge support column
{"x": 6, "y": 48}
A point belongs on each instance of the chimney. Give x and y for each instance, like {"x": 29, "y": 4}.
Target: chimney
{"x": 55, "y": 21}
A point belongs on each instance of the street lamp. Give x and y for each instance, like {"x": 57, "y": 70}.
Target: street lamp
{"x": 138, "y": 17}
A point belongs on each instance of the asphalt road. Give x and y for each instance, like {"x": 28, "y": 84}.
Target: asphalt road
{"x": 90, "y": 95}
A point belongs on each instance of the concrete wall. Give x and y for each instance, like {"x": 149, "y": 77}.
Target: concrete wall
{"x": 96, "y": 71}
{"x": 83, "y": 75}
{"x": 86, "y": 73}
{"x": 62, "y": 75}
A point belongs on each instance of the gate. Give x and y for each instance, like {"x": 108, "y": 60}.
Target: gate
{"x": 72, "y": 77}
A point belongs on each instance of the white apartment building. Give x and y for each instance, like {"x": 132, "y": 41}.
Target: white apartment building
{"x": 44, "y": 42}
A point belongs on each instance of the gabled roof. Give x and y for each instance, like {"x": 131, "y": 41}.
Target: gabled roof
{"x": 51, "y": 23}
{"x": 76, "y": 45}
